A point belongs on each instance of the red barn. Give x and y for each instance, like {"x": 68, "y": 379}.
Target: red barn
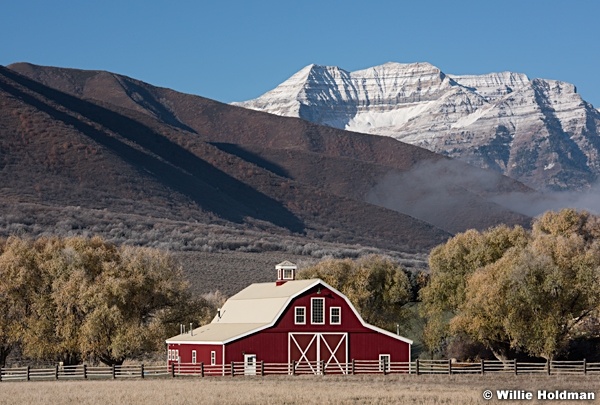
{"x": 307, "y": 322}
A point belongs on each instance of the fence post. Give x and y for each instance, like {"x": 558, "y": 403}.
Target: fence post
{"x": 322, "y": 367}
{"x": 584, "y": 367}
{"x": 142, "y": 370}
{"x": 449, "y": 366}
{"x": 202, "y": 369}
{"x": 114, "y": 372}
{"x": 85, "y": 372}
{"x": 482, "y": 366}
{"x": 417, "y": 366}
{"x": 353, "y": 367}
{"x": 548, "y": 366}
{"x": 293, "y": 367}
{"x": 516, "y": 368}
{"x": 262, "y": 368}
{"x": 0, "y": 374}
{"x": 232, "y": 369}
{"x": 28, "y": 374}
{"x": 56, "y": 372}
{"x": 172, "y": 370}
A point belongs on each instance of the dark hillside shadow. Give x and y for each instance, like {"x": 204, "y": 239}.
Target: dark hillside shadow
{"x": 149, "y": 102}
{"x": 172, "y": 165}
{"x": 251, "y": 157}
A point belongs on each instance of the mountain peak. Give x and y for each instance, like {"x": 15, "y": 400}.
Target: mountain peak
{"x": 496, "y": 121}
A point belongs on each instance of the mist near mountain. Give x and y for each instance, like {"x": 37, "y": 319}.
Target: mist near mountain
{"x": 395, "y": 190}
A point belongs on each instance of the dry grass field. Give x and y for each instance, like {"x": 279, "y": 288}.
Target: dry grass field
{"x": 395, "y": 389}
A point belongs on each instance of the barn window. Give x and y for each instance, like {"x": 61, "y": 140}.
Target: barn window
{"x": 317, "y": 311}
{"x": 288, "y": 274}
{"x": 193, "y": 357}
{"x": 169, "y": 355}
{"x": 384, "y": 362}
{"x": 335, "y": 315}
{"x": 213, "y": 358}
{"x": 300, "y": 318}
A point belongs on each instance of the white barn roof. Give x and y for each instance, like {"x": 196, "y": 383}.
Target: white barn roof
{"x": 255, "y": 308}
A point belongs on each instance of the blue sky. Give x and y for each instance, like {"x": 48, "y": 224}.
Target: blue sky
{"x": 237, "y": 50}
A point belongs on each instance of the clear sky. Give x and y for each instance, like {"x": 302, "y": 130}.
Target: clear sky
{"x": 234, "y": 50}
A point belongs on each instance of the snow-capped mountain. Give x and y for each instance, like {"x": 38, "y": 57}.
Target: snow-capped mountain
{"x": 538, "y": 131}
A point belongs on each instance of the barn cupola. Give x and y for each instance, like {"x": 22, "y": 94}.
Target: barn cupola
{"x": 286, "y": 271}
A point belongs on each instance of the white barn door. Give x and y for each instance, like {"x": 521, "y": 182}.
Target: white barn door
{"x": 249, "y": 364}
{"x": 312, "y": 350}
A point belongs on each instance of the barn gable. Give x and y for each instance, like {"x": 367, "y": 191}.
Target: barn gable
{"x": 258, "y": 307}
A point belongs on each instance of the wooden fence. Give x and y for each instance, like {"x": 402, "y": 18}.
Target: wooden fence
{"x": 419, "y": 367}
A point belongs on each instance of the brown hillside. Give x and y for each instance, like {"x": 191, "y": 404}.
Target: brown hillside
{"x": 60, "y": 150}
{"x": 451, "y": 195}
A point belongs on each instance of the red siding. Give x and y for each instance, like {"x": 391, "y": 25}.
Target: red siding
{"x": 271, "y": 345}
{"x": 202, "y": 352}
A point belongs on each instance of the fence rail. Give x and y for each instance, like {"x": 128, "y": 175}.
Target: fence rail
{"x": 418, "y": 367}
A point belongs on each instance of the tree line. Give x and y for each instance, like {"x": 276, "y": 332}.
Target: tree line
{"x": 517, "y": 291}
{"x": 509, "y": 290}
{"x": 75, "y": 299}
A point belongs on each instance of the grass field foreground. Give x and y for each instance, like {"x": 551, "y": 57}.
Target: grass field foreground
{"x": 395, "y": 389}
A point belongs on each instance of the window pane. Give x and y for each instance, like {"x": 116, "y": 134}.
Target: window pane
{"x": 318, "y": 310}
{"x": 335, "y": 315}
{"x": 300, "y": 315}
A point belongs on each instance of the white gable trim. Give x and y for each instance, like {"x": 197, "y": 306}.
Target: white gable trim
{"x": 324, "y": 284}
{"x": 283, "y": 309}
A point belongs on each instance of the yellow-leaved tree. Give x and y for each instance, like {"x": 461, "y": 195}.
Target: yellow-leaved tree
{"x": 536, "y": 295}
{"x": 377, "y": 287}
{"x": 80, "y": 298}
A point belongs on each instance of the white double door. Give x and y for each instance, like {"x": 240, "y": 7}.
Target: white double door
{"x": 310, "y": 351}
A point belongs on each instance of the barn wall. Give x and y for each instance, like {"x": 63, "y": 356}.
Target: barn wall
{"x": 202, "y": 352}
{"x": 271, "y": 345}
{"x": 349, "y": 320}
{"x": 369, "y": 345}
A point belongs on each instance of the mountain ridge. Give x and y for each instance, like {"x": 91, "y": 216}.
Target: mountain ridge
{"x": 538, "y": 131}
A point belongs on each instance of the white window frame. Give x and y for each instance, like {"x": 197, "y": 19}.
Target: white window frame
{"x": 303, "y": 316}
{"x": 169, "y": 355}
{"x": 213, "y": 358}
{"x": 177, "y": 355}
{"x": 288, "y": 274}
{"x": 339, "y": 321}
{"x": 312, "y": 311}
{"x": 387, "y": 364}
{"x": 194, "y": 357}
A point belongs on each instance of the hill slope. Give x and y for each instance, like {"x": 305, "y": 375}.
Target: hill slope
{"x": 91, "y": 152}
{"x": 350, "y": 165}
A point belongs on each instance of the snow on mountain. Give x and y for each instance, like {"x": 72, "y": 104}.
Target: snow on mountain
{"x": 535, "y": 130}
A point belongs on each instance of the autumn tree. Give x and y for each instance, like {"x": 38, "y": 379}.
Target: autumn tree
{"x": 85, "y": 298}
{"x": 452, "y": 264}
{"x": 19, "y": 288}
{"x": 537, "y": 295}
{"x": 377, "y": 287}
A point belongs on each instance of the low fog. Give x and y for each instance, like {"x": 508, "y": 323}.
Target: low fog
{"x": 437, "y": 191}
